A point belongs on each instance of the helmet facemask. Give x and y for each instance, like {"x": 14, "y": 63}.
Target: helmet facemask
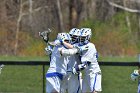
{"x": 85, "y": 36}
{"x": 74, "y": 39}
{"x": 74, "y": 33}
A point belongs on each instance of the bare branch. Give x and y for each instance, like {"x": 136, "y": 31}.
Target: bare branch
{"x": 124, "y": 8}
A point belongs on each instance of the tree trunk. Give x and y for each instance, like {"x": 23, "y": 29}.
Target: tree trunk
{"x": 72, "y": 13}
{"x": 18, "y": 27}
{"x": 127, "y": 17}
{"x": 60, "y": 17}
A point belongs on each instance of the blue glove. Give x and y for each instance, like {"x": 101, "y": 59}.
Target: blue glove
{"x": 134, "y": 75}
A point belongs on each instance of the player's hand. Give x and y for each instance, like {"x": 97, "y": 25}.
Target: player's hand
{"x": 81, "y": 48}
{"x": 72, "y": 70}
{"x": 134, "y": 75}
{"x": 48, "y": 50}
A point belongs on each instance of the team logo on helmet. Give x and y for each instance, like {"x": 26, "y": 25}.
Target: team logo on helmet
{"x": 64, "y": 37}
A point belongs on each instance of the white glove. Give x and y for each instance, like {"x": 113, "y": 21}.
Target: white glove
{"x": 48, "y": 50}
{"x": 81, "y": 48}
{"x": 72, "y": 70}
{"x": 134, "y": 75}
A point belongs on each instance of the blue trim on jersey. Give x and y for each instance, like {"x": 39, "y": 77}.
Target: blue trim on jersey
{"x": 139, "y": 86}
{"x": 55, "y": 74}
{"x": 79, "y": 83}
{"x": 94, "y": 82}
{"x": 97, "y": 55}
{"x": 65, "y": 46}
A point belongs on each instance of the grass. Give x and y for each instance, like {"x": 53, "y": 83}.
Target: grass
{"x": 28, "y": 79}
{"x": 117, "y": 80}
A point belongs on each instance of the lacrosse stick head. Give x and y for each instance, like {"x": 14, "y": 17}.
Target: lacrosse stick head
{"x": 45, "y": 35}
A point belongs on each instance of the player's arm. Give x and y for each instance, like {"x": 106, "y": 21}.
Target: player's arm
{"x": 61, "y": 42}
{"x": 68, "y": 45}
{"x": 68, "y": 51}
{"x": 74, "y": 50}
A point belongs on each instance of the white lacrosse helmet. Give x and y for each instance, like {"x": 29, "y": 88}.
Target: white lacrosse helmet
{"x": 64, "y": 37}
{"x": 75, "y": 33}
{"x": 85, "y": 35}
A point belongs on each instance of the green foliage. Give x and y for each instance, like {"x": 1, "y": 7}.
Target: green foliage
{"x": 113, "y": 37}
{"x": 117, "y": 80}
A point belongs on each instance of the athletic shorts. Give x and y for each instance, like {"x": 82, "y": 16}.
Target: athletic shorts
{"x": 74, "y": 83}
{"x": 92, "y": 83}
{"x": 53, "y": 82}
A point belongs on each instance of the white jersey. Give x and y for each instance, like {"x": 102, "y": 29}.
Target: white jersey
{"x": 73, "y": 80}
{"x": 74, "y": 60}
{"x": 58, "y": 63}
{"x": 92, "y": 73}
{"x": 90, "y": 56}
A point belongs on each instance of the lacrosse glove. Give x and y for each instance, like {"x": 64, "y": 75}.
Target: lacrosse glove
{"x": 81, "y": 48}
{"x": 48, "y": 50}
{"x": 134, "y": 75}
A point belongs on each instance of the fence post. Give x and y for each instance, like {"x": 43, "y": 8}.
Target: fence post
{"x": 139, "y": 77}
{"x": 43, "y": 68}
{"x": 139, "y": 58}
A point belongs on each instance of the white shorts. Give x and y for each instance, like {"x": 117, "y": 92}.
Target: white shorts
{"x": 92, "y": 83}
{"x": 53, "y": 84}
{"x": 74, "y": 83}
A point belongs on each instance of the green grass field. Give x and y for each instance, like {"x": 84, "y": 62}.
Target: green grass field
{"x": 28, "y": 79}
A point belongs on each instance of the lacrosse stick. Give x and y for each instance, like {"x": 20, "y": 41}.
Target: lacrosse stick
{"x": 1, "y": 66}
{"x": 45, "y": 35}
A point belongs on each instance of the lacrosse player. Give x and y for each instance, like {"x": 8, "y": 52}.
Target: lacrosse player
{"x": 58, "y": 66}
{"x": 74, "y": 80}
{"x": 135, "y": 75}
{"x": 1, "y": 66}
{"x": 91, "y": 82}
